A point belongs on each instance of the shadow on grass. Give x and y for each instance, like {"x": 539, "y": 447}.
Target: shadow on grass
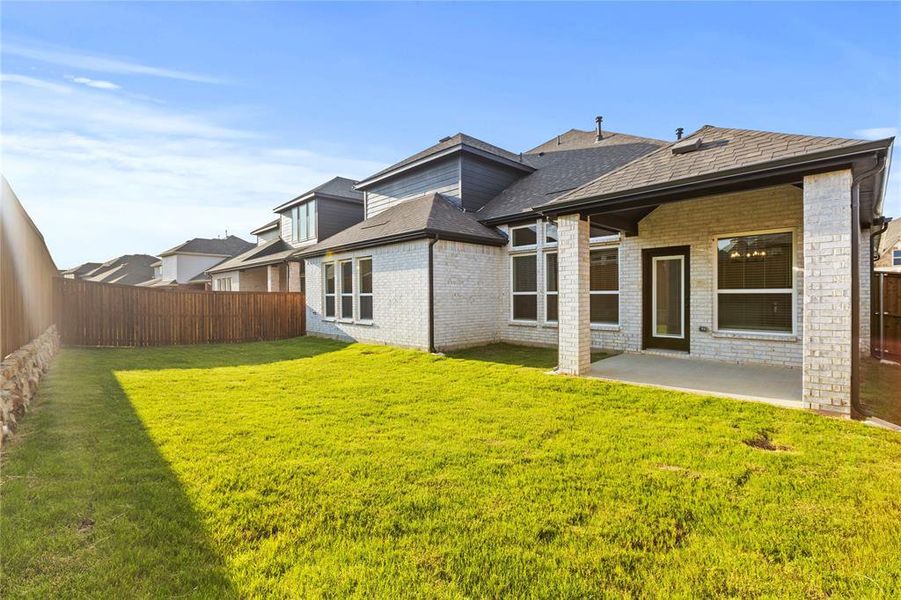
{"x": 90, "y": 504}
{"x": 523, "y": 356}
{"x": 213, "y": 355}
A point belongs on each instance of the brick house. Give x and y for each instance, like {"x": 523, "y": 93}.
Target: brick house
{"x": 888, "y": 254}
{"x": 731, "y": 245}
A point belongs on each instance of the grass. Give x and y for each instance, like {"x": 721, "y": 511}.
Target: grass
{"x": 880, "y": 389}
{"x": 311, "y": 468}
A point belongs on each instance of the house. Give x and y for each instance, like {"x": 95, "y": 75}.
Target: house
{"x": 79, "y": 271}
{"x": 128, "y": 269}
{"x": 733, "y": 245}
{"x": 302, "y": 221}
{"x": 888, "y": 255}
{"x": 186, "y": 264}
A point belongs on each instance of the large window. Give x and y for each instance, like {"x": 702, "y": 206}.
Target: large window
{"x": 346, "y": 272}
{"x": 224, "y": 284}
{"x": 524, "y": 237}
{"x": 754, "y": 283}
{"x": 525, "y": 287}
{"x": 604, "y": 286}
{"x": 303, "y": 221}
{"x": 364, "y": 288}
{"x": 896, "y": 258}
{"x": 329, "y": 270}
{"x": 550, "y": 287}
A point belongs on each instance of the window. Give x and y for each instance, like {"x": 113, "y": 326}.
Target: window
{"x": 754, "y": 283}
{"x": 596, "y": 232}
{"x": 224, "y": 284}
{"x": 550, "y": 233}
{"x": 604, "y": 286}
{"x": 329, "y": 287}
{"x": 550, "y": 287}
{"x": 524, "y": 237}
{"x": 896, "y": 258}
{"x": 364, "y": 288}
{"x": 346, "y": 270}
{"x": 303, "y": 221}
{"x": 525, "y": 287}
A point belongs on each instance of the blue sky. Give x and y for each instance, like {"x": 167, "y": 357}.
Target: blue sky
{"x": 130, "y": 127}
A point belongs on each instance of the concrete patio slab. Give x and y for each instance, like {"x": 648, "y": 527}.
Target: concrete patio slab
{"x": 775, "y": 385}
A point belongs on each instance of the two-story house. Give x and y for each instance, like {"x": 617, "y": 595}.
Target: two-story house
{"x": 186, "y": 264}
{"x": 728, "y": 244}
{"x": 302, "y": 221}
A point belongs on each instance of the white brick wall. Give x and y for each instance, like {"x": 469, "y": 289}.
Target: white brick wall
{"x": 695, "y": 223}
{"x": 400, "y": 297}
{"x": 573, "y": 270}
{"x": 866, "y": 281}
{"x": 827, "y": 291}
{"x": 468, "y": 294}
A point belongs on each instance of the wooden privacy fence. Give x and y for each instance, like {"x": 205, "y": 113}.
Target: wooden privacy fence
{"x": 27, "y": 273}
{"x": 886, "y": 326}
{"x": 101, "y": 314}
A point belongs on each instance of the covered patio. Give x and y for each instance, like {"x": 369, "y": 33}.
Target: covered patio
{"x": 780, "y": 386}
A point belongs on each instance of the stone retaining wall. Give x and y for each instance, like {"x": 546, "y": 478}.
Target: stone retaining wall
{"x": 20, "y": 373}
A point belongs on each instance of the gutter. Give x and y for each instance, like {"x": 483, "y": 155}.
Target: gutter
{"x": 432, "y": 242}
{"x": 857, "y": 409}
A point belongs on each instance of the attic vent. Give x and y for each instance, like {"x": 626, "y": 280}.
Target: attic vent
{"x": 686, "y": 146}
{"x": 444, "y": 139}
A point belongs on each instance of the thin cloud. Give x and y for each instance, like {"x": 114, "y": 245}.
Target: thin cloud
{"x": 34, "y": 82}
{"x": 877, "y": 133}
{"x": 102, "y": 64}
{"x": 95, "y": 83}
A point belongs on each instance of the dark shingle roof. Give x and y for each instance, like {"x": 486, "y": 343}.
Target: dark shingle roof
{"x": 269, "y": 253}
{"x": 721, "y": 149}
{"x": 424, "y": 216}
{"x": 446, "y": 144}
{"x": 129, "y": 269}
{"x": 340, "y": 187}
{"x": 229, "y": 246}
{"x": 81, "y": 269}
{"x": 562, "y": 167}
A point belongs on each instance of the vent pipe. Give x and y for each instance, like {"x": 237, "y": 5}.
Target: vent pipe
{"x": 600, "y": 133}
{"x": 679, "y": 131}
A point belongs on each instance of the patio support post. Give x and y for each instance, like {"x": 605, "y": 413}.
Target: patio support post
{"x": 827, "y": 329}
{"x": 294, "y": 276}
{"x": 574, "y": 328}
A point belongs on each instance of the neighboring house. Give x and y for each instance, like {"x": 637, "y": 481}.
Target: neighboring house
{"x": 303, "y": 221}
{"x": 129, "y": 269}
{"x": 888, "y": 258}
{"x": 79, "y": 271}
{"x": 185, "y": 265}
{"x": 731, "y": 245}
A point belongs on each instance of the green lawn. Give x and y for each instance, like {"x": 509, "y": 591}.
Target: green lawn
{"x": 312, "y": 468}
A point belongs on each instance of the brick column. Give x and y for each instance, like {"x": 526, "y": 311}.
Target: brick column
{"x": 293, "y": 276}
{"x": 866, "y": 280}
{"x": 273, "y": 281}
{"x": 574, "y": 319}
{"x": 827, "y": 292}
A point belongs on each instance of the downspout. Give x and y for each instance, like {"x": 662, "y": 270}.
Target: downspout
{"x": 432, "y": 242}
{"x": 857, "y": 410}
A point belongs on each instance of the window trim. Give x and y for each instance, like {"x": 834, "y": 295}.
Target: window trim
{"x": 546, "y": 293}
{"x": 619, "y": 282}
{"x": 539, "y": 231}
{"x": 514, "y": 293}
{"x": 339, "y": 290}
{"x": 358, "y": 293}
{"x": 794, "y": 285}
{"x": 325, "y": 292}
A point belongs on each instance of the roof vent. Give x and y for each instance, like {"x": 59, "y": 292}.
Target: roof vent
{"x": 686, "y": 146}
{"x": 679, "y": 131}
{"x": 444, "y": 139}
{"x": 600, "y": 133}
